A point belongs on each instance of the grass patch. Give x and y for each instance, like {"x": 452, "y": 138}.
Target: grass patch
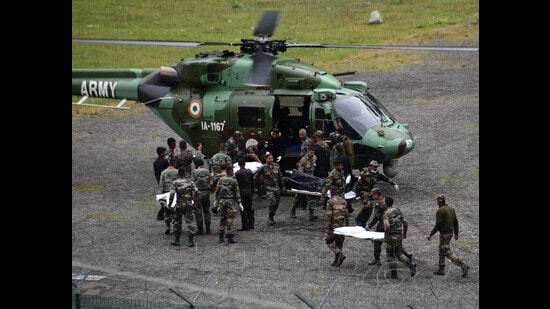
{"x": 87, "y": 188}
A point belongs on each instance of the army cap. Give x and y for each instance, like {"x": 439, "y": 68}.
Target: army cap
{"x": 198, "y": 161}
{"x": 441, "y": 198}
{"x": 238, "y": 134}
{"x": 373, "y": 163}
{"x": 376, "y": 190}
{"x": 319, "y": 133}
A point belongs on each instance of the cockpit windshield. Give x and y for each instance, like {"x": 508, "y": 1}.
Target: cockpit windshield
{"x": 362, "y": 112}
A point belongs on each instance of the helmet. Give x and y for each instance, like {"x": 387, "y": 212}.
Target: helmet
{"x": 198, "y": 161}
{"x": 238, "y": 134}
{"x": 441, "y": 198}
{"x": 373, "y": 163}
{"x": 375, "y": 190}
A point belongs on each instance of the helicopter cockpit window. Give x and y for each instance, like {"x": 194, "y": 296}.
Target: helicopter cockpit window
{"x": 213, "y": 72}
{"x": 357, "y": 113}
{"x": 251, "y": 116}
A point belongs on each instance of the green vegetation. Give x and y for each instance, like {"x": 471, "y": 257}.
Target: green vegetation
{"x": 87, "y": 188}
{"x": 420, "y": 22}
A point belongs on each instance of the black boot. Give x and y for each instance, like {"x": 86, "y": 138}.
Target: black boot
{"x": 200, "y": 230}
{"x": 177, "y": 241}
{"x": 392, "y": 274}
{"x": 221, "y": 237}
{"x": 190, "y": 243}
{"x": 311, "y": 215}
{"x": 464, "y": 267}
{"x": 375, "y": 261}
{"x": 408, "y": 255}
{"x": 412, "y": 267}
{"x": 271, "y": 220}
{"x": 336, "y": 256}
{"x": 230, "y": 239}
{"x": 167, "y": 231}
{"x": 208, "y": 231}
{"x": 341, "y": 259}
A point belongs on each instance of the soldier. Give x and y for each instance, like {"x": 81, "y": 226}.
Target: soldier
{"x": 275, "y": 144}
{"x": 334, "y": 178}
{"x": 379, "y": 207}
{"x": 301, "y": 199}
{"x": 228, "y": 196}
{"x": 368, "y": 178}
{"x": 336, "y": 215}
{"x": 306, "y": 165}
{"x": 325, "y": 161}
{"x": 233, "y": 146}
{"x": 395, "y": 230}
{"x": 169, "y": 175}
{"x": 202, "y": 179}
{"x": 347, "y": 145}
{"x": 219, "y": 158}
{"x": 185, "y": 158}
{"x": 253, "y": 152}
{"x": 172, "y": 150}
{"x": 274, "y": 183}
{"x": 184, "y": 191}
{"x": 446, "y": 224}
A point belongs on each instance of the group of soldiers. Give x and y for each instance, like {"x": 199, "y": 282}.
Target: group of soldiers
{"x": 190, "y": 190}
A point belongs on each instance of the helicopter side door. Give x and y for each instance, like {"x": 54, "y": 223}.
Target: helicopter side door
{"x": 252, "y": 115}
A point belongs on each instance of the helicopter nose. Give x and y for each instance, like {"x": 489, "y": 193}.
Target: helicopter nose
{"x": 405, "y": 146}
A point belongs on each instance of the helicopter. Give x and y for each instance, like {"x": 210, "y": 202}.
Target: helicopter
{"x": 207, "y": 98}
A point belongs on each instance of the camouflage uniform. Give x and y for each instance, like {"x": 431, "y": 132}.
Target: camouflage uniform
{"x": 273, "y": 182}
{"x": 395, "y": 230}
{"x": 446, "y": 224}
{"x": 217, "y": 159}
{"x": 167, "y": 176}
{"x": 306, "y": 165}
{"x": 228, "y": 196}
{"x": 202, "y": 179}
{"x": 334, "y": 178}
{"x": 185, "y": 192}
{"x": 368, "y": 179}
{"x": 185, "y": 159}
{"x": 232, "y": 149}
{"x": 336, "y": 215}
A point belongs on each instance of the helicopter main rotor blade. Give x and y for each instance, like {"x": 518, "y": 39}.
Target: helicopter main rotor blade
{"x": 260, "y": 72}
{"x": 153, "y": 42}
{"x": 267, "y": 23}
{"x": 442, "y": 48}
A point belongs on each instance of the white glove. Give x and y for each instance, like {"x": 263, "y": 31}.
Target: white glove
{"x": 396, "y": 187}
{"x": 241, "y": 206}
{"x": 278, "y": 159}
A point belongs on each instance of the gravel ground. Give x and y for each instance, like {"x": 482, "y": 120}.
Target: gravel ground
{"x": 114, "y": 231}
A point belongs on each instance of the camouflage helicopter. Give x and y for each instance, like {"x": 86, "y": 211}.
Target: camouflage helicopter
{"x": 207, "y": 98}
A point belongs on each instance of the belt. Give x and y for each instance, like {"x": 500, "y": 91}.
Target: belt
{"x": 226, "y": 198}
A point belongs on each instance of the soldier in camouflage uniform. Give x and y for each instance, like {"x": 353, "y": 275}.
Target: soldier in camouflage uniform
{"x": 233, "y": 146}
{"x": 299, "y": 199}
{"x": 202, "y": 179}
{"x": 395, "y": 230}
{"x": 274, "y": 183}
{"x": 172, "y": 150}
{"x": 185, "y": 159}
{"x": 165, "y": 183}
{"x": 334, "y": 178}
{"x": 306, "y": 165}
{"x": 228, "y": 196}
{"x": 336, "y": 215}
{"x": 446, "y": 224}
{"x": 185, "y": 191}
{"x": 218, "y": 159}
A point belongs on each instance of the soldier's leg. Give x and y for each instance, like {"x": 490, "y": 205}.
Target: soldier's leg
{"x": 272, "y": 206}
{"x": 443, "y": 248}
{"x": 390, "y": 258}
{"x": 177, "y": 225}
{"x": 312, "y": 203}
{"x": 206, "y": 211}
{"x": 377, "y": 251}
{"x": 190, "y": 223}
{"x": 231, "y": 214}
{"x": 197, "y": 212}
{"x": 295, "y": 205}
